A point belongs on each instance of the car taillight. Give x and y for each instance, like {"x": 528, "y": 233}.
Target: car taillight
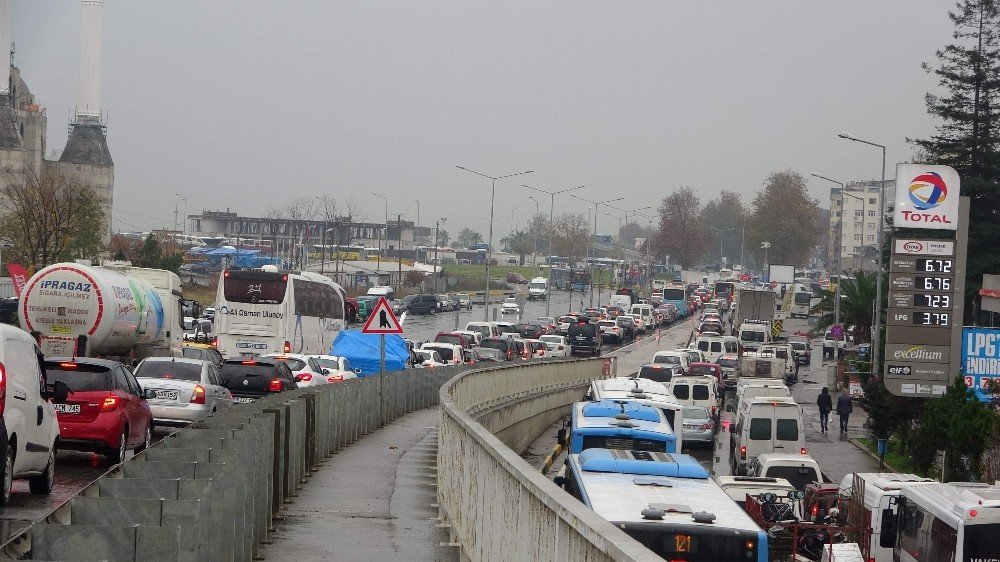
{"x": 110, "y": 403}
{"x": 305, "y": 377}
{"x": 198, "y": 394}
{"x": 3, "y": 388}
{"x": 335, "y": 378}
{"x": 287, "y": 348}
{"x": 803, "y": 451}
{"x": 708, "y": 425}
{"x": 275, "y": 385}
{"x": 743, "y": 451}
{"x": 215, "y": 341}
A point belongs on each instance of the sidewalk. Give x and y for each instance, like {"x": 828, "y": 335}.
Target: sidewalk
{"x": 371, "y": 501}
{"x": 834, "y": 452}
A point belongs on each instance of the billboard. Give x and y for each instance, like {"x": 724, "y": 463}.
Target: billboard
{"x": 781, "y": 274}
{"x": 926, "y": 197}
{"x": 980, "y": 358}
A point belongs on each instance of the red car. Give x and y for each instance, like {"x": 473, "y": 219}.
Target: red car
{"x": 106, "y": 411}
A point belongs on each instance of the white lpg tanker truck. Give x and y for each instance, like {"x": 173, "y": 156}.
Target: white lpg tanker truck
{"x": 111, "y": 311}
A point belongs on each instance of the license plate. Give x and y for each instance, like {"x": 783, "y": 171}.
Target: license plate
{"x": 166, "y": 394}
{"x": 243, "y": 400}
{"x": 67, "y": 408}
{"x": 249, "y": 355}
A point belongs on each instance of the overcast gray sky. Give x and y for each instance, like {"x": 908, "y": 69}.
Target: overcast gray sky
{"x": 242, "y": 104}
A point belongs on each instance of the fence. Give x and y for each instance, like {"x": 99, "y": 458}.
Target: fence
{"x": 211, "y": 491}
{"x": 495, "y": 504}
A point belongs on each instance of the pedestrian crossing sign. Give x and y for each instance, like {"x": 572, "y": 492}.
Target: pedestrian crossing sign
{"x": 382, "y": 320}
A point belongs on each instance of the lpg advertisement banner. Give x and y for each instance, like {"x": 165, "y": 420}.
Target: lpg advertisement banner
{"x": 926, "y": 197}
{"x": 980, "y": 359}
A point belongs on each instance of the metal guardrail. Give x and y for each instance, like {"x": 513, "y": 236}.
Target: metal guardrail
{"x": 211, "y": 491}
{"x": 498, "y": 507}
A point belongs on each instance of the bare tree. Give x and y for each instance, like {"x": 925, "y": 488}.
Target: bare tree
{"x": 50, "y": 218}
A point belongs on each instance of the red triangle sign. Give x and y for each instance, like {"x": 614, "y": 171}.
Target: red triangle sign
{"x": 382, "y": 320}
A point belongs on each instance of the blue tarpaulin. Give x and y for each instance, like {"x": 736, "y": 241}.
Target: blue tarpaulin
{"x": 363, "y": 353}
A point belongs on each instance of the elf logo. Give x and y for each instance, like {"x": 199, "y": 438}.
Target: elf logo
{"x": 899, "y": 370}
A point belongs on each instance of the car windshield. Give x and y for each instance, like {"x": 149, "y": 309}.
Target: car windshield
{"x": 507, "y": 329}
{"x": 752, "y": 336}
{"x": 494, "y": 344}
{"x": 490, "y": 353}
{"x": 449, "y": 338}
{"x": 567, "y": 319}
{"x": 293, "y": 363}
{"x": 445, "y": 352}
{"x": 328, "y": 363}
{"x": 701, "y": 370}
{"x": 545, "y": 320}
{"x": 798, "y": 476}
{"x": 695, "y": 414}
{"x": 79, "y": 377}
{"x": 180, "y": 370}
{"x": 551, "y": 339}
{"x": 797, "y": 345}
{"x": 724, "y": 362}
{"x": 608, "y": 323}
{"x": 668, "y": 359}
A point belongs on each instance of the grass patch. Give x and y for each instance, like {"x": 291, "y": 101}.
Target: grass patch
{"x": 893, "y": 457}
{"x": 204, "y": 294}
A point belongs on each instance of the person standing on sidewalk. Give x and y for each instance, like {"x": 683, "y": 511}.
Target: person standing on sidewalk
{"x": 825, "y": 403}
{"x": 844, "y": 409}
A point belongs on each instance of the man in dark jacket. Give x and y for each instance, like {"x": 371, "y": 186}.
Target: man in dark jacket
{"x": 844, "y": 408}
{"x": 825, "y": 403}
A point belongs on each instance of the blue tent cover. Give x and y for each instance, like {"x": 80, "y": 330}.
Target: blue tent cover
{"x": 362, "y": 351}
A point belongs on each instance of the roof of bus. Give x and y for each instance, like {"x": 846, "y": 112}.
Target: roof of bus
{"x": 610, "y": 425}
{"x": 611, "y": 408}
{"x": 954, "y": 501}
{"x": 618, "y": 497}
{"x": 621, "y": 388}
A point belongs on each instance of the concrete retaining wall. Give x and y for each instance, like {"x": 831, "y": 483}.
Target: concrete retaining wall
{"x": 496, "y": 505}
{"x": 210, "y": 492}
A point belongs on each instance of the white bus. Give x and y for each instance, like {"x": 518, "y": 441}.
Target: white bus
{"x": 261, "y": 311}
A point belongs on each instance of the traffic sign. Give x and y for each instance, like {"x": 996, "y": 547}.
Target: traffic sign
{"x": 382, "y": 320}
{"x": 776, "y": 328}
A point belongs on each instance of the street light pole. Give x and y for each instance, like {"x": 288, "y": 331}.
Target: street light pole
{"x": 764, "y": 246}
{"x": 418, "y": 211}
{"x": 437, "y": 243}
{"x": 840, "y": 246}
{"x": 534, "y": 254}
{"x": 184, "y": 198}
{"x": 720, "y": 232}
{"x": 548, "y": 259}
{"x": 489, "y": 247}
{"x": 633, "y": 211}
{"x": 877, "y": 336}
{"x": 378, "y": 260}
{"x": 399, "y": 253}
{"x": 593, "y": 240}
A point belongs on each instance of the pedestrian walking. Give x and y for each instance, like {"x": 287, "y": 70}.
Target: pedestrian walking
{"x": 844, "y": 409}
{"x": 825, "y": 403}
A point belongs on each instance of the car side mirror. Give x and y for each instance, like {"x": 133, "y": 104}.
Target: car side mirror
{"x": 357, "y": 371}
{"x": 148, "y": 393}
{"x": 326, "y": 371}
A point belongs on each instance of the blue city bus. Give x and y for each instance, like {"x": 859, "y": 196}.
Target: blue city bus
{"x": 580, "y": 280}
{"x": 677, "y": 295}
{"x": 620, "y": 424}
{"x": 560, "y": 278}
{"x": 667, "y": 502}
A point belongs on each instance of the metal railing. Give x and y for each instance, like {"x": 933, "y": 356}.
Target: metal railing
{"x": 211, "y": 491}
{"x": 496, "y": 506}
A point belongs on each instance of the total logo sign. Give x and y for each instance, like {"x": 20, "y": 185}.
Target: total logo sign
{"x": 926, "y": 197}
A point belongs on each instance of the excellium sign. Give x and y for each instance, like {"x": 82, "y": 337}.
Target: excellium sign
{"x": 926, "y": 197}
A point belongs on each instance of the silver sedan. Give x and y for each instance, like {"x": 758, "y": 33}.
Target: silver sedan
{"x": 698, "y": 425}
{"x": 187, "y": 390}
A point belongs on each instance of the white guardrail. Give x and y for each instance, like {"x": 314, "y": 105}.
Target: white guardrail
{"x": 496, "y": 505}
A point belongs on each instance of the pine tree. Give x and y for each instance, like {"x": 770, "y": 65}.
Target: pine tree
{"x": 968, "y": 136}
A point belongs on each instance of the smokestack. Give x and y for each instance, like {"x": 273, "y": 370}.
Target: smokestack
{"x": 88, "y": 102}
{"x": 5, "y": 40}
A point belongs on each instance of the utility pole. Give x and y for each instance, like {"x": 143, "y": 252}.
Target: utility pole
{"x": 552, "y": 205}
{"x": 399, "y": 253}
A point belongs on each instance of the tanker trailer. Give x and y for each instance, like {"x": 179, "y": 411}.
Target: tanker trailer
{"x": 80, "y": 310}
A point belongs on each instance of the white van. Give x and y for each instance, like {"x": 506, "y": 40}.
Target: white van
{"x": 538, "y": 288}
{"x": 647, "y": 312}
{"x": 487, "y": 329}
{"x": 672, "y": 358}
{"x": 29, "y": 419}
{"x": 749, "y": 389}
{"x": 770, "y": 425}
{"x": 381, "y": 291}
{"x": 754, "y": 334}
{"x": 696, "y": 391}
{"x": 712, "y": 347}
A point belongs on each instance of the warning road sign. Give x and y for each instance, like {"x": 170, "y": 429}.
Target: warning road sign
{"x": 776, "y": 329}
{"x": 382, "y": 320}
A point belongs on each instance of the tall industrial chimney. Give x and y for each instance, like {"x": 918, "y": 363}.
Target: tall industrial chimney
{"x": 5, "y": 40}
{"x": 88, "y": 102}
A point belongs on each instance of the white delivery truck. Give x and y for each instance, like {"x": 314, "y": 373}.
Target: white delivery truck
{"x": 538, "y": 289}
{"x": 114, "y": 311}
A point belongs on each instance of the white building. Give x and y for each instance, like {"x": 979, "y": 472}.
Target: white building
{"x": 857, "y": 206}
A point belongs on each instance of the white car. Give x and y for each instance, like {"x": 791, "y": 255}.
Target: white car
{"x": 431, "y": 358}
{"x": 558, "y": 346}
{"x": 639, "y": 322}
{"x": 510, "y": 306}
{"x": 672, "y": 358}
{"x": 450, "y": 353}
{"x": 305, "y": 372}
{"x": 334, "y": 367}
{"x": 187, "y": 390}
{"x": 25, "y": 403}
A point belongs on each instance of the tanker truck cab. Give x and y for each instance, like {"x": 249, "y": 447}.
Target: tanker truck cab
{"x": 30, "y": 428}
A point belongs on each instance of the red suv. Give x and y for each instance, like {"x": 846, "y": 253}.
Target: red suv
{"x": 106, "y": 411}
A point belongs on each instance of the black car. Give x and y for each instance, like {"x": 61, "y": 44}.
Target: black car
{"x": 421, "y": 304}
{"x": 628, "y": 327}
{"x": 250, "y": 379}
{"x": 530, "y": 331}
{"x": 505, "y": 345}
{"x": 585, "y": 337}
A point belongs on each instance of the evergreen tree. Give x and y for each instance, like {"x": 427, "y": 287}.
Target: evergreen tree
{"x": 968, "y": 136}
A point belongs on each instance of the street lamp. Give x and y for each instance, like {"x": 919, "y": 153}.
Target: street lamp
{"x": 534, "y": 254}
{"x": 840, "y": 245}
{"x": 593, "y": 241}
{"x": 184, "y": 198}
{"x": 378, "y": 259}
{"x": 764, "y": 246}
{"x": 489, "y": 247}
{"x": 437, "y": 243}
{"x": 720, "y": 232}
{"x": 399, "y": 252}
{"x": 877, "y": 321}
{"x": 552, "y": 205}
{"x": 418, "y": 210}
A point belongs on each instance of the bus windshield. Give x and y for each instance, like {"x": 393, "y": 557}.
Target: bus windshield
{"x": 802, "y": 298}
{"x": 674, "y": 294}
{"x": 257, "y": 287}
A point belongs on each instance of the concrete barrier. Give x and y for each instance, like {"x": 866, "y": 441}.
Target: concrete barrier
{"x": 498, "y": 507}
{"x": 211, "y": 491}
